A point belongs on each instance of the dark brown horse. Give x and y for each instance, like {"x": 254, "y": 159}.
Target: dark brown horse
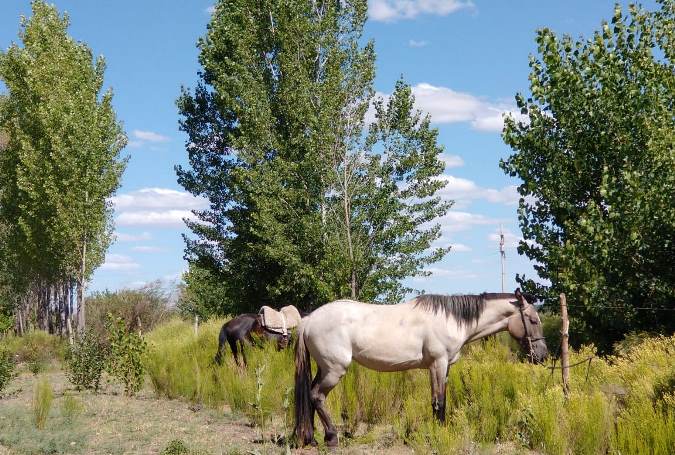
{"x": 240, "y": 331}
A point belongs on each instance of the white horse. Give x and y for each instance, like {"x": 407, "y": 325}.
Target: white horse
{"x": 426, "y": 332}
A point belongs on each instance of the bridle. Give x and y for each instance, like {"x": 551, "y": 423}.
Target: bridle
{"x": 529, "y": 339}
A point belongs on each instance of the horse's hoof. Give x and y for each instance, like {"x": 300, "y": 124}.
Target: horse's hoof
{"x": 331, "y": 440}
{"x": 313, "y": 443}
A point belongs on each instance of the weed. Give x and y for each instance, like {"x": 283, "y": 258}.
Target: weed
{"x": 36, "y": 348}
{"x": 175, "y": 447}
{"x": 71, "y": 407}
{"x": 42, "y": 402}
{"x": 6, "y": 368}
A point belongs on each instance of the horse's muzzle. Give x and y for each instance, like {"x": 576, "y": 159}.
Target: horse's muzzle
{"x": 539, "y": 352}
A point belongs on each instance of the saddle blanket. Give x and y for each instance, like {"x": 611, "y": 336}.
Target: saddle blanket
{"x": 279, "y": 321}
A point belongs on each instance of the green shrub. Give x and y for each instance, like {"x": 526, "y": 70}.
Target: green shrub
{"x": 7, "y": 366}
{"x": 175, "y": 447}
{"x": 37, "y": 349}
{"x": 42, "y": 402}
{"x": 71, "y": 407}
{"x": 140, "y": 309}
{"x": 126, "y": 362}
{"x": 86, "y": 361}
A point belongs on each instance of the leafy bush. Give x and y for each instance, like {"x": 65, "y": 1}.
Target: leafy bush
{"x": 6, "y": 368}
{"x": 140, "y": 309}
{"x": 42, "y": 402}
{"x": 126, "y": 359}
{"x": 37, "y": 349}
{"x": 86, "y": 361}
{"x": 175, "y": 447}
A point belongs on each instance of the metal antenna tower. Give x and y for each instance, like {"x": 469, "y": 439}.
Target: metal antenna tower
{"x": 502, "y": 254}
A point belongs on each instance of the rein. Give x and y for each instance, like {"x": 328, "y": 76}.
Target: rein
{"x": 530, "y": 339}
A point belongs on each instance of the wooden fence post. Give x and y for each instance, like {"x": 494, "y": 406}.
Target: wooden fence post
{"x": 196, "y": 325}
{"x": 564, "y": 348}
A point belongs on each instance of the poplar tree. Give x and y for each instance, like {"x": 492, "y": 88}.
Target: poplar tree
{"x": 60, "y": 166}
{"x": 597, "y": 161}
{"x": 308, "y": 203}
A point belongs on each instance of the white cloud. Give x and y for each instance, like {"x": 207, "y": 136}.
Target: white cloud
{"x": 415, "y": 43}
{"x": 449, "y": 106}
{"x": 122, "y": 237}
{"x": 456, "y": 221}
{"x": 460, "y": 247}
{"x": 444, "y": 241}
{"x": 157, "y": 198}
{"x": 393, "y": 10}
{"x": 165, "y": 218}
{"x": 140, "y": 138}
{"x": 452, "y": 160}
{"x": 147, "y": 249}
{"x": 161, "y": 207}
{"x": 464, "y": 191}
{"x": 445, "y": 105}
{"x": 437, "y": 272}
{"x": 149, "y": 136}
{"x": 210, "y": 10}
{"x": 119, "y": 262}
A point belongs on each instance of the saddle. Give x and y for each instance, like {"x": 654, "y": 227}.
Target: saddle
{"x": 279, "y": 321}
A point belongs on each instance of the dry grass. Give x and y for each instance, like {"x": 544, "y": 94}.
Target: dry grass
{"x": 112, "y": 423}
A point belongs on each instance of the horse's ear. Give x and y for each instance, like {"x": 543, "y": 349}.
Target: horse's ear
{"x": 520, "y": 296}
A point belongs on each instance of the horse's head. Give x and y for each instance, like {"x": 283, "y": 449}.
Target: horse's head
{"x": 525, "y": 326}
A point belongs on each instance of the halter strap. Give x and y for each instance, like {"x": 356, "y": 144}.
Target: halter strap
{"x": 521, "y": 308}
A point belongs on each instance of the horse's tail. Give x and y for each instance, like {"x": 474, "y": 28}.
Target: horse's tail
{"x": 304, "y": 415}
{"x": 221, "y": 343}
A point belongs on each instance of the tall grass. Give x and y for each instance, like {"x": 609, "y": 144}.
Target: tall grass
{"x": 42, "y": 402}
{"x": 618, "y": 405}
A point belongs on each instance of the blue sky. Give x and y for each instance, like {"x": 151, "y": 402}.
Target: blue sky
{"x": 465, "y": 60}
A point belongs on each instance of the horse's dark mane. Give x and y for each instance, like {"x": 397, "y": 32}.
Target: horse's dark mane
{"x": 466, "y": 309}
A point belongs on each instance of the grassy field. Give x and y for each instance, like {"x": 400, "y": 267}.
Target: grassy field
{"x": 496, "y": 404}
{"x": 623, "y": 404}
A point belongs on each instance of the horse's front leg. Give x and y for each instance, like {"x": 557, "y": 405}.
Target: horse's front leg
{"x": 438, "y": 373}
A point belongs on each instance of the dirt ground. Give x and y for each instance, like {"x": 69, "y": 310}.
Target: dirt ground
{"x": 111, "y": 423}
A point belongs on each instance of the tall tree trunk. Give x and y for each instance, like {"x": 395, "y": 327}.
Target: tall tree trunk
{"x": 80, "y": 290}
{"x": 69, "y": 310}
{"x": 19, "y": 319}
{"x": 350, "y": 248}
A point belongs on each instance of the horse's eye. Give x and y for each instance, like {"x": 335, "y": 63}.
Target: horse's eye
{"x": 534, "y": 321}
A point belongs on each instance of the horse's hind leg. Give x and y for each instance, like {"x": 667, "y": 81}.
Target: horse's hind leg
{"x": 322, "y": 385}
{"x": 438, "y": 373}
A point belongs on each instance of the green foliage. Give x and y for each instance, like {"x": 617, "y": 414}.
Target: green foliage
{"x": 42, "y": 402}
{"x": 7, "y": 366}
{"x": 178, "y": 447}
{"x": 86, "y": 361}
{"x": 146, "y": 306}
{"x": 203, "y": 294}
{"x": 626, "y": 406}
{"x": 37, "y": 349}
{"x": 598, "y": 169}
{"x": 126, "y": 359}
{"x": 61, "y": 163}
{"x": 308, "y": 203}
{"x": 71, "y": 408}
{"x": 175, "y": 447}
